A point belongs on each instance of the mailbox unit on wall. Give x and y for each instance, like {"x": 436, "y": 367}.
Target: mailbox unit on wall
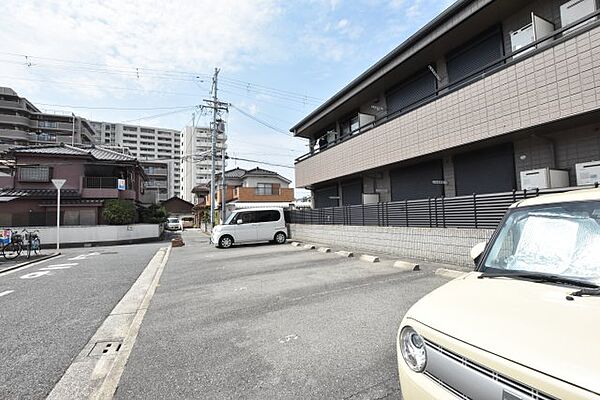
{"x": 544, "y": 178}
{"x": 588, "y": 173}
{"x": 536, "y": 29}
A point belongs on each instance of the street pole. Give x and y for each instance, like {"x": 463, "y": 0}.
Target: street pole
{"x": 58, "y": 184}
{"x": 213, "y": 150}
{"x": 73, "y": 131}
{"x": 223, "y": 182}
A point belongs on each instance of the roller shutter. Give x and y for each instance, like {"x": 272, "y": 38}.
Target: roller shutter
{"x": 485, "y": 171}
{"x": 352, "y": 193}
{"x": 411, "y": 93}
{"x": 323, "y": 196}
{"x": 415, "y": 182}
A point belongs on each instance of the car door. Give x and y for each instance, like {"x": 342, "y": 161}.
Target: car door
{"x": 246, "y": 231}
{"x": 267, "y": 225}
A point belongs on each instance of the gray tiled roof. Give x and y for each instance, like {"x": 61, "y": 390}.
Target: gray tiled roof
{"x": 39, "y": 193}
{"x": 97, "y": 152}
{"x": 242, "y": 173}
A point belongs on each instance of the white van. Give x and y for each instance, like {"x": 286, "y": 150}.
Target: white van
{"x": 249, "y": 226}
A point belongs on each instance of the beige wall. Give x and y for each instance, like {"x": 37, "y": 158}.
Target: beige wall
{"x": 559, "y": 82}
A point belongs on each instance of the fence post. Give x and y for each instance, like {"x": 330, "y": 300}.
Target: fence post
{"x": 429, "y": 207}
{"x": 514, "y": 195}
{"x": 406, "y": 211}
{"x": 362, "y": 209}
{"x": 387, "y": 213}
{"x": 475, "y": 208}
{"x": 443, "y": 213}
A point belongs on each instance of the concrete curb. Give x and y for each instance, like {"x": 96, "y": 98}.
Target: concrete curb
{"x": 296, "y": 244}
{"x": 369, "y": 258}
{"x": 406, "y": 266}
{"x": 449, "y": 273}
{"x": 324, "y": 250}
{"x": 309, "y": 246}
{"x": 345, "y": 253}
{"x": 23, "y": 264}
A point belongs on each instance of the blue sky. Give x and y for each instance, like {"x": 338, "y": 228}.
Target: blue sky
{"x": 138, "y": 61}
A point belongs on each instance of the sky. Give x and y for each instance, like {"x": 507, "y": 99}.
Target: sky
{"x": 150, "y": 62}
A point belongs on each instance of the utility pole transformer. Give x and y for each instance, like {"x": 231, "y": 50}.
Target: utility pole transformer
{"x": 217, "y": 107}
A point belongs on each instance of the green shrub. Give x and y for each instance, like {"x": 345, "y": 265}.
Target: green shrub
{"x": 118, "y": 212}
{"x": 154, "y": 214}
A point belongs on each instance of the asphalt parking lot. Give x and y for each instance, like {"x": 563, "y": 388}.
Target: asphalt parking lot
{"x": 271, "y": 322}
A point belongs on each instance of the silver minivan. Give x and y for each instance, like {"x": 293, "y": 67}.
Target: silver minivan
{"x": 250, "y": 226}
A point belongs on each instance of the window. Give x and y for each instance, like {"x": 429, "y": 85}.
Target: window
{"x": 248, "y": 217}
{"x": 146, "y": 130}
{"x": 267, "y": 216}
{"x": 130, "y": 128}
{"x": 34, "y": 174}
{"x": 264, "y": 189}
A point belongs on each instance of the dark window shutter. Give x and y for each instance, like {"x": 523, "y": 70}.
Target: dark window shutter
{"x": 411, "y": 93}
{"x": 323, "y": 197}
{"x": 352, "y": 193}
{"x": 485, "y": 171}
{"x": 415, "y": 181}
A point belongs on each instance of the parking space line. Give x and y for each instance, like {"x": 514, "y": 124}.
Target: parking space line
{"x": 6, "y": 292}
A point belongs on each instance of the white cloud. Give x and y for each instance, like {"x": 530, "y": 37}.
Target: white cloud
{"x": 342, "y": 23}
{"x": 173, "y": 35}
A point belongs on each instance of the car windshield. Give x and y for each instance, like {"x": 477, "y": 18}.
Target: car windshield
{"x": 173, "y": 220}
{"x": 230, "y": 218}
{"x": 557, "y": 239}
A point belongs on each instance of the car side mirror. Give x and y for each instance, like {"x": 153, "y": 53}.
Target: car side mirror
{"x": 477, "y": 251}
{"x": 239, "y": 221}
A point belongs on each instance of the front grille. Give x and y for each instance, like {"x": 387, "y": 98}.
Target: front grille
{"x": 512, "y": 385}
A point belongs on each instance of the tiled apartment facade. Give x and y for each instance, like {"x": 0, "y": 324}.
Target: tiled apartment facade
{"x": 544, "y": 104}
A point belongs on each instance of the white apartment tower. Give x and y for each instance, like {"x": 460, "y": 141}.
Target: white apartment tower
{"x": 147, "y": 144}
{"x": 195, "y": 155}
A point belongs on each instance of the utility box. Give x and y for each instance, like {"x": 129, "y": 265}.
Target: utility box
{"x": 574, "y": 10}
{"x": 544, "y": 178}
{"x": 370, "y": 198}
{"x": 588, "y": 173}
{"x": 536, "y": 29}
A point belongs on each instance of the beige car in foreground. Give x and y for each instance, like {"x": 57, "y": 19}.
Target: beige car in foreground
{"x": 526, "y": 323}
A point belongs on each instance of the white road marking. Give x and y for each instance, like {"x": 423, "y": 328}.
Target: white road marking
{"x": 58, "y": 266}
{"x": 6, "y": 292}
{"x": 242, "y": 288}
{"x": 288, "y": 338}
{"x": 35, "y": 274}
{"x": 29, "y": 266}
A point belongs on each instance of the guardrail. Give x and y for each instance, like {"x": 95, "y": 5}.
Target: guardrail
{"x": 473, "y": 211}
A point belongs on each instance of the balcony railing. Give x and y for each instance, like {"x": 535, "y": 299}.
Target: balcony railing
{"x": 510, "y": 58}
{"x": 103, "y": 182}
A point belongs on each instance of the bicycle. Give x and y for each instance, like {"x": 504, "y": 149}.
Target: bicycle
{"x": 13, "y": 249}
{"x": 33, "y": 242}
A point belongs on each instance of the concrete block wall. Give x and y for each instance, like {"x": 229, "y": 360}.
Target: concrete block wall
{"x": 442, "y": 245}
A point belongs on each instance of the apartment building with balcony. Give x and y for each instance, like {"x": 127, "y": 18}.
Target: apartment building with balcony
{"x": 93, "y": 174}
{"x": 196, "y": 164}
{"x": 147, "y": 143}
{"x": 160, "y": 184}
{"x": 254, "y": 188}
{"x": 490, "y": 96}
{"x": 22, "y": 123}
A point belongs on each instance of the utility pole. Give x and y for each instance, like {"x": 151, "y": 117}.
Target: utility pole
{"x": 217, "y": 107}
{"x": 223, "y": 179}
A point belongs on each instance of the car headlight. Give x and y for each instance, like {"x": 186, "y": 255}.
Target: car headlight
{"x": 413, "y": 350}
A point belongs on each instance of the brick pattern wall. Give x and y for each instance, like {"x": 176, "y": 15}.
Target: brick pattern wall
{"x": 559, "y": 82}
{"x": 442, "y": 245}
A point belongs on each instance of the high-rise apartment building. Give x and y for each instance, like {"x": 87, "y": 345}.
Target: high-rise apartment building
{"x": 22, "y": 123}
{"x": 148, "y": 144}
{"x": 196, "y": 163}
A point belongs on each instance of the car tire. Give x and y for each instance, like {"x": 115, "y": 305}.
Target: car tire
{"x": 280, "y": 238}
{"x": 225, "y": 242}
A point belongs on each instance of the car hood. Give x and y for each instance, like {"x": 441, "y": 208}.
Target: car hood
{"x": 529, "y": 323}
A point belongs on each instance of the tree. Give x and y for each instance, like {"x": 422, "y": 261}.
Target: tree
{"x": 118, "y": 212}
{"x": 154, "y": 214}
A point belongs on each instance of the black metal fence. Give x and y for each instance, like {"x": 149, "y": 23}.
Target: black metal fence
{"x": 474, "y": 211}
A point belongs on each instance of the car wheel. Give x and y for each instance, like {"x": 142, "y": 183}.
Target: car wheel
{"x": 225, "y": 242}
{"x": 280, "y": 238}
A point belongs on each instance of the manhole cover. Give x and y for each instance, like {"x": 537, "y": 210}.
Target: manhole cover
{"x": 105, "y": 349}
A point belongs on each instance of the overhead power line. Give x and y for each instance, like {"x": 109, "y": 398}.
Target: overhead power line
{"x": 274, "y": 128}
{"x": 115, "y": 108}
{"x": 260, "y": 162}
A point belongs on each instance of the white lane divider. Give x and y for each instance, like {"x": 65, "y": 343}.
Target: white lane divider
{"x": 84, "y": 256}
{"x": 6, "y": 292}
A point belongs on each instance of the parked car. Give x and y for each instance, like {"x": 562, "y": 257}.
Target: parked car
{"x": 249, "y": 226}
{"x": 525, "y": 323}
{"x": 187, "y": 222}
{"x": 173, "y": 224}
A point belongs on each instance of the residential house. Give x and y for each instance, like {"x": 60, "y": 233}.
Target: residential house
{"x": 93, "y": 174}
{"x": 254, "y": 188}
{"x": 490, "y": 96}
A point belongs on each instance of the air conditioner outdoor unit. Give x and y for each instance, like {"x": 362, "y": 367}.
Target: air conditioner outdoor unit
{"x": 574, "y": 10}
{"x": 544, "y": 178}
{"x": 588, "y": 173}
{"x": 536, "y": 29}
{"x": 370, "y": 198}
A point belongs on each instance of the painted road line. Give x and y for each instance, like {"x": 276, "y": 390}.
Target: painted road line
{"x": 35, "y": 274}
{"x": 6, "y": 292}
{"x": 83, "y": 256}
{"x": 27, "y": 264}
